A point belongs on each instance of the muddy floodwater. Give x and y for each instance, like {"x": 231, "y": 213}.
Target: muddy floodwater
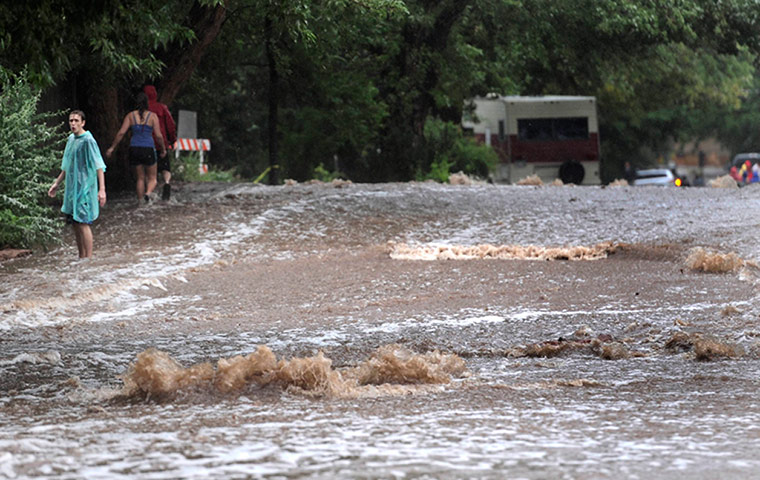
{"x": 400, "y": 331}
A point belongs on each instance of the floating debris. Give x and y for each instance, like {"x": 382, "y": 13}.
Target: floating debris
{"x": 395, "y": 364}
{"x": 11, "y": 253}
{"x": 460, "y": 178}
{"x": 402, "y": 251}
{"x": 724, "y": 181}
{"x": 155, "y": 373}
{"x": 531, "y": 180}
{"x": 705, "y": 348}
{"x": 713, "y": 262}
{"x": 730, "y": 310}
{"x": 236, "y": 372}
{"x": 603, "y": 346}
{"x": 619, "y": 182}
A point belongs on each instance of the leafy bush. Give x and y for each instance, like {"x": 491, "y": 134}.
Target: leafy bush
{"x": 324, "y": 175}
{"x": 450, "y": 151}
{"x": 187, "y": 170}
{"x": 440, "y": 171}
{"x": 30, "y": 152}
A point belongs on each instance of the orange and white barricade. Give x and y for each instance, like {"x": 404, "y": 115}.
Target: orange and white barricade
{"x": 193, "y": 145}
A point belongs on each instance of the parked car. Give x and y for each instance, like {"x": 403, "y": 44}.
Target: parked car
{"x": 745, "y": 168}
{"x": 658, "y": 176}
{"x": 740, "y": 158}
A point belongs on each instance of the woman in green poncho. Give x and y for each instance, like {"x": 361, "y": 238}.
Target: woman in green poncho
{"x": 85, "y": 191}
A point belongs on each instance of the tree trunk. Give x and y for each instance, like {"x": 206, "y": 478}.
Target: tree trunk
{"x": 274, "y": 99}
{"x": 206, "y": 23}
{"x": 103, "y": 104}
{"x": 416, "y": 62}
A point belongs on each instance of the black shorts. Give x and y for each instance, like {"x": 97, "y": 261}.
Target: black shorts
{"x": 70, "y": 221}
{"x": 142, "y": 156}
{"x": 164, "y": 164}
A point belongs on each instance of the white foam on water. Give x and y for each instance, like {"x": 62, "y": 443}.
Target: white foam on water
{"x": 453, "y": 321}
{"x": 533, "y": 441}
{"x": 150, "y": 269}
{"x": 543, "y": 429}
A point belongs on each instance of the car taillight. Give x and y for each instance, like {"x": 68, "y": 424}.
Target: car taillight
{"x": 678, "y": 182}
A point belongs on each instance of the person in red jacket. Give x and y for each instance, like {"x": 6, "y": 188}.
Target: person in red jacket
{"x": 169, "y": 131}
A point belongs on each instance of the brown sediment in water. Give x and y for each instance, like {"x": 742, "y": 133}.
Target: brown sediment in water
{"x": 713, "y": 262}
{"x": 157, "y": 373}
{"x": 236, "y": 372}
{"x": 395, "y": 364}
{"x": 11, "y": 253}
{"x": 707, "y": 349}
{"x": 82, "y": 298}
{"x": 723, "y": 182}
{"x": 530, "y": 180}
{"x": 460, "y": 178}
{"x": 391, "y": 370}
{"x": 312, "y": 374}
{"x": 704, "y": 347}
{"x": 730, "y": 310}
{"x": 615, "y": 351}
{"x": 335, "y": 183}
{"x": 578, "y": 382}
{"x": 402, "y": 251}
{"x": 551, "y": 384}
{"x": 603, "y": 346}
{"x": 619, "y": 182}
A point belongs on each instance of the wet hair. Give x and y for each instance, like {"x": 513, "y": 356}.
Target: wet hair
{"x": 77, "y": 112}
{"x": 142, "y": 102}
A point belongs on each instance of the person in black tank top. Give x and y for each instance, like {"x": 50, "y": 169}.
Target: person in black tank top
{"x": 142, "y": 154}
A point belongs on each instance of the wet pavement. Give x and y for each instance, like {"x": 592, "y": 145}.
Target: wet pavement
{"x": 390, "y": 331}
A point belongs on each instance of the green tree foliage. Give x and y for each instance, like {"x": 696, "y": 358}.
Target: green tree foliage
{"x": 351, "y": 84}
{"x": 30, "y": 150}
{"x": 737, "y": 128}
{"x": 654, "y": 66}
{"x": 450, "y": 151}
{"x": 99, "y": 54}
{"x": 328, "y": 105}
{"x": 358, "y": 86}
{"x": 114, "y": 38}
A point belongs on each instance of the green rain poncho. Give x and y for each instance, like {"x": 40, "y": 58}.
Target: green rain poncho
{"x": 81, "y": 161}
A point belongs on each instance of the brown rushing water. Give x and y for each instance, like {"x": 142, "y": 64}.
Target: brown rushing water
{"x": 390, "y": 331}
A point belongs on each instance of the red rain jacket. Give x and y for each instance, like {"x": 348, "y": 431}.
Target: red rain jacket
{"x": 165, "y": 120}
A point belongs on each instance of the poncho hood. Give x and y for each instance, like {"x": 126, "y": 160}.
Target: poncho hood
{"x": 150, "y": 91}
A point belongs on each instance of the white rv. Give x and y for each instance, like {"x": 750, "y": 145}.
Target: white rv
{"x": 550, "y": 136}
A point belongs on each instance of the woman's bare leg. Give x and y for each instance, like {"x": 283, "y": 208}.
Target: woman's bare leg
{"x": 150, "y": 173}
{"x": 140, "y": 174}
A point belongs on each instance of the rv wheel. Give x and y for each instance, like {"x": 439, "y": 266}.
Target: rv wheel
{"x": 571, "y": 171}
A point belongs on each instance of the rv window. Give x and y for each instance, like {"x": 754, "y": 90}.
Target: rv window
{"x": 552, "y": 128}
{"x": 501, "y": 130}
{"x": 535, "y": 129}
{"x": 571, "y": 128}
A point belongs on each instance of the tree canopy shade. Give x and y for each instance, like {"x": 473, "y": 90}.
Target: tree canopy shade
{"x": 106, "y": 50}
{"x": 350, "y": 85}
{"x": 355, "y": 92}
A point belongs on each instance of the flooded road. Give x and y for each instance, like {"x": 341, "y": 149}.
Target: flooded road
{"x": 390, "y": 331}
